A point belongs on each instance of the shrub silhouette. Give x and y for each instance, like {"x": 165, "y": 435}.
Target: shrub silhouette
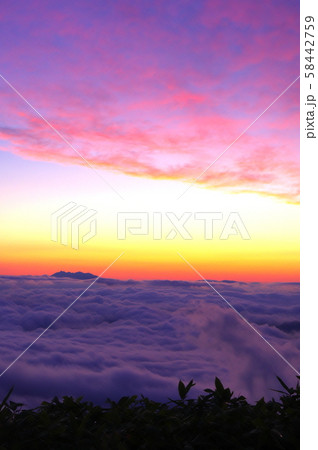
{"x": 215, "y": 420}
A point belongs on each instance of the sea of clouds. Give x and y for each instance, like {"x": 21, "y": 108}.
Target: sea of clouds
{"x": 141, "y": 337}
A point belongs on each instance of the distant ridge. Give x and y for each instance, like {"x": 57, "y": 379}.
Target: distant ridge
{"x": 76, "y": 275}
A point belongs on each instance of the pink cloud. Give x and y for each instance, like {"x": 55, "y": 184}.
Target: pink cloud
{"x": 158, "y": 91}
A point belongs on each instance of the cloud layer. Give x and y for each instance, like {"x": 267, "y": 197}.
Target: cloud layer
{"x": 128, "y": 337}
{"x": 157, "y": 89}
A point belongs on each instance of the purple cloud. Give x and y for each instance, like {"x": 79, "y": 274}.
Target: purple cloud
{"x": 125, "y": 338}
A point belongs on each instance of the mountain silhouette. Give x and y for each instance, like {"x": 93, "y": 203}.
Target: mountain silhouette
{"x": 76, "y": 275}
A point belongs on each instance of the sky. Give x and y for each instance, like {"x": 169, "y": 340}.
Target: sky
{"x": 176, "y": 126}
{"x": 147, "y": 96}
{"x": 140, "y": 337}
